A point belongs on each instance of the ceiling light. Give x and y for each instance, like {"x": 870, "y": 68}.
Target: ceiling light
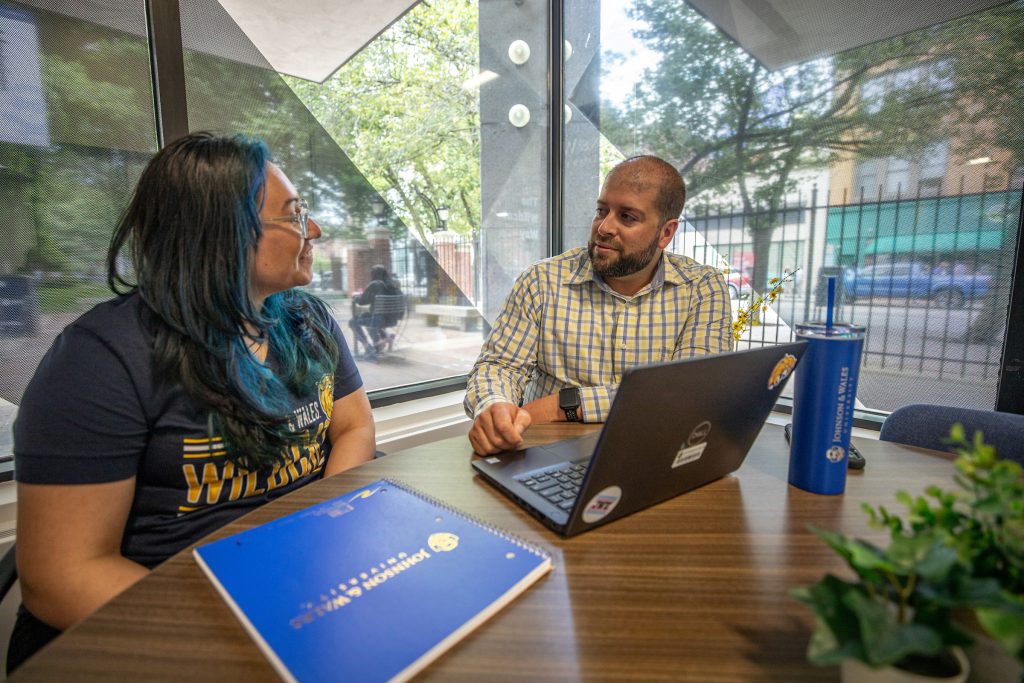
{"x": 518, "y": 115}
{"x": 979, "y": 160}
{"x": 519, "y": 52}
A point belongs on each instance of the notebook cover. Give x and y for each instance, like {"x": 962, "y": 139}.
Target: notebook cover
{"x": 370, "y": 586}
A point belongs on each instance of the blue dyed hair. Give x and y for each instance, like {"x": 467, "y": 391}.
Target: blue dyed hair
{"x": 191, "y": 230}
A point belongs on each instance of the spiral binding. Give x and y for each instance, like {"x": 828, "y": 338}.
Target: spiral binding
{"x": 497, "y": 531}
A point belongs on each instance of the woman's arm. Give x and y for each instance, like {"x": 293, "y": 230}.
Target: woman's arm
{"x": 351, "y": 432}
{"x": 69, "y": 548}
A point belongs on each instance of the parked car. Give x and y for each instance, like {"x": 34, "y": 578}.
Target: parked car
{"x": 738, "y": 283}
{"x": 916, "y": 281}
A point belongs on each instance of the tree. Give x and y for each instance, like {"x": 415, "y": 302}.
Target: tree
{"x": 729, "y": 124}
{"x": 399, "y": 110}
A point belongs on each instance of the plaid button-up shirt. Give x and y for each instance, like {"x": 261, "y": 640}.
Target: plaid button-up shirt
{"x": 562, "y": 325}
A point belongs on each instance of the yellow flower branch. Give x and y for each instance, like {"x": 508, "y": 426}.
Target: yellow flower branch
{"x": 747, "y": 316}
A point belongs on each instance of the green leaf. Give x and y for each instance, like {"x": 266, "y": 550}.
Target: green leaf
{"x": 886, "y": 640}
{"x": 1006, "y": 626}
{"x": 836, "y": 635}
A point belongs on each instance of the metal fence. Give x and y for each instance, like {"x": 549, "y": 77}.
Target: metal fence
{"x": 928, "y": 276}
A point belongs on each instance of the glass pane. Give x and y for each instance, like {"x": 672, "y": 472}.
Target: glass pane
{"x": 409, "y": 159}
{"x": 76, "y": 128}
{"x": 784, "y": 169}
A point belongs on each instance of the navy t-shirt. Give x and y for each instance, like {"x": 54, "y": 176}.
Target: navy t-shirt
{"x": 94, "y": 413}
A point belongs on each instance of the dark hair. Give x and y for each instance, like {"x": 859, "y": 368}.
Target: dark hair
{"x": 646, "y": 170}
{"x": 192, "y": 228}
{"x": 380, "y": 273}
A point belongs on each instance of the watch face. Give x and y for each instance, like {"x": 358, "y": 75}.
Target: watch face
{"x": 569, "y": 398}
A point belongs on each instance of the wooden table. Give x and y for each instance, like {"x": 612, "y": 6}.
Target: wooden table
{"x": 692, "y": 589}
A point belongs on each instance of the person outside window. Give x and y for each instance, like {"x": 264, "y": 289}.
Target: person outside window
{"x": 367, "y": 326}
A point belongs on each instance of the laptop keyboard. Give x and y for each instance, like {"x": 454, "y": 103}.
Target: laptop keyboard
{"x": 559, "y": 485}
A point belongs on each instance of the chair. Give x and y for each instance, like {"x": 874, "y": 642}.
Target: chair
{"x": 8, "y": 603}
{"x": 8, "y": 572}
{"x": 927, "y": 425}
{"x": 388, "y": 314}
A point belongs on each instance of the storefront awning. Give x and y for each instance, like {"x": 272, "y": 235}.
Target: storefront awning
{"x": 937, "y": 243}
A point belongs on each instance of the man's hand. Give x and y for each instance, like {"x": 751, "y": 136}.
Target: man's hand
{"x": 499, "y": 427}
{"x": 545, "y": 409}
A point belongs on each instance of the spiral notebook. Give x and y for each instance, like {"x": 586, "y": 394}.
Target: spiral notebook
{"x": 370, "y": 586}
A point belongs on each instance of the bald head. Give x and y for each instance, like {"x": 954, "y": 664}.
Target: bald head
{"x": 649, "y": 172}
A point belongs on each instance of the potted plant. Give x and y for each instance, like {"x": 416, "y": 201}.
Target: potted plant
{"x": 958, "y": 553}
{"x": 983, "y": 519}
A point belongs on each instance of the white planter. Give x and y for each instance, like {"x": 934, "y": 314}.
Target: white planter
{"x": 990, "y": 663}
{"x": 854, "y": 671}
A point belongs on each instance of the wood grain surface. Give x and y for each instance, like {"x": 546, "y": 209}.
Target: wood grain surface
{"x": 695, "y": 588}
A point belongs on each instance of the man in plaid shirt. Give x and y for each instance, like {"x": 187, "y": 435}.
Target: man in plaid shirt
{"x": 574, "y": 323}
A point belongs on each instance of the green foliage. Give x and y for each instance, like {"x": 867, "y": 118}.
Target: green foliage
{"x": 955, "y": 549}
{"x": 733, "y": 128}
{"x": 399, "y": 110}
{"x": 899, "y": 606}
{"x": 62, "y": 296}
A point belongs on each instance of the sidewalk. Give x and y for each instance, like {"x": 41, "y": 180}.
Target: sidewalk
{"x": 420, "y": 353}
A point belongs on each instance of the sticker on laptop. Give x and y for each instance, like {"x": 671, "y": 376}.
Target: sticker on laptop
{"x": 602, "y": 504}
{"x": 781, "y": 371}
{"x": 699, "y": 433}
{"x": 688, "y": 454}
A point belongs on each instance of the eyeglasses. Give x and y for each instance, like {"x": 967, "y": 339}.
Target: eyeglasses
{"x": 299, "y": 219}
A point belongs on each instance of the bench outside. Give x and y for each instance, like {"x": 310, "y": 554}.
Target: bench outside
{"x": 462, "y": 317}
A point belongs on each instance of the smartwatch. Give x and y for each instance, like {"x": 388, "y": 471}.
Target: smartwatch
{"x": 569, "y": 401}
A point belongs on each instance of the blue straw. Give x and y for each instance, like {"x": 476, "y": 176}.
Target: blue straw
{"x": 831, "y": 304}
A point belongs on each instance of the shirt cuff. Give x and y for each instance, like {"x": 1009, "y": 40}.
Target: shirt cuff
{"x": 489, "y": 401}
{"x": 596, "y": 402}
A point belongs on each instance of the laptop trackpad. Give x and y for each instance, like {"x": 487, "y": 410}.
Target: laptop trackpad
{"x": 574, "y": 449}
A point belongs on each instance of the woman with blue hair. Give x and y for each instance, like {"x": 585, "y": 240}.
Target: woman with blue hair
{"x": 209, "y": 386}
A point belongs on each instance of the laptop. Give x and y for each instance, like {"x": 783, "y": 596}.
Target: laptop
{"x": 672, "y": 427}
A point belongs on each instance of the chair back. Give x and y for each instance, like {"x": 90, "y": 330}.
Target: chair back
{"x": 927, "y": 425}
{"x": 389, "y": 307}
{"x": 8, "y": 571}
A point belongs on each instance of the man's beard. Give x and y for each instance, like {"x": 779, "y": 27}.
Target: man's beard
{"x": 627, "y": 264}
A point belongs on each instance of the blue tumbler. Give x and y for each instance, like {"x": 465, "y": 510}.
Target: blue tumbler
{"x": 824, "y": 390}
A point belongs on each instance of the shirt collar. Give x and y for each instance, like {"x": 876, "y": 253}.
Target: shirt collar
{"x": 584, "y": 272}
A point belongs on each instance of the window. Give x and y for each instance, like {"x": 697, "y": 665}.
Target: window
{"x": 876, "y": 181}
{"x": 897, "y": 176}
{"x": 428, "y": 152}
{"x": 409, "y": 159}
{"x": 921, "y": 175}
{"x": 936, "y": 76}
{"x": 76, "y": 129}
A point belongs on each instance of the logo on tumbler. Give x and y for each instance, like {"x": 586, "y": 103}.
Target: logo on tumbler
{"x": 781, "y": 371}
{"x": 835, "y": 454}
